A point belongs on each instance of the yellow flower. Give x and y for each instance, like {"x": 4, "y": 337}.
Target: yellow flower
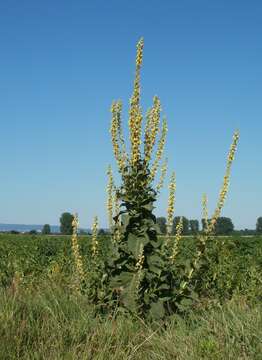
{"x": 139, "y": 269}
{"x": 171, "y": 204}
{"x": 205, "y": 212}
{"x": 75, "y": 249}
{"x": 135, "y": 115}
{"x": 152, "y": 128}
{"x": 110, "y": 188}
{"x": 94, "y": 237}
{"x": 117, "y": 135}
{"x": 178, "y": 236}
{"x": 162, "y": 176}
{"x": 225, "y": 185}
{"x": 160, "y": 149}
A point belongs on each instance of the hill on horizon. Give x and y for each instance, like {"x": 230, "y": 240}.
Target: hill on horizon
{"x": 28, "y": 227}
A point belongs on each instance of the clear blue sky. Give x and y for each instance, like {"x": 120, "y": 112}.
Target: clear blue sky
{"x": 63, "y": 62}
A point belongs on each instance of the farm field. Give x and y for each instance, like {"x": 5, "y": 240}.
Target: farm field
{"x": 42, "y": 316}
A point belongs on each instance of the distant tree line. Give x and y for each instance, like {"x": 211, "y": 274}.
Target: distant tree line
{"x": 66, "y": 225}
{"x": 224, "y": 226}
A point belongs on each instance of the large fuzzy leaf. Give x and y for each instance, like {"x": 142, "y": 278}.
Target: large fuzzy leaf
{"x": 121, "y": 280}
{"x": 134, "y": 244}
{"x": 155, "y": 264}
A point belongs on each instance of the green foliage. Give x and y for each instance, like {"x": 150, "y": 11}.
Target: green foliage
{"x": 136, "y": 291}
{"x": 15, "y": 232}
{"x": 194, "y": 226}
{"x": 229, "y": 263}
{"x": 224, "y": 226}
{"x": 66, "y": 223}
{"x": 33, "y": 232}
{"x": 161, "y": 222}
{"x": 46, "y": 229}
{"x": 101, "y": 232}
{"x": 185, "y": 230}
{"x": 141, "y": 276}
{"x": 232, "y": 267}
{"x": 259, "y": 225}
{"x": 83, "y": 232}
{"x": 48, "y": 320}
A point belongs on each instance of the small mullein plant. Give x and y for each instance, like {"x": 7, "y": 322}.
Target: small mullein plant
{"x": 144, "y": 273}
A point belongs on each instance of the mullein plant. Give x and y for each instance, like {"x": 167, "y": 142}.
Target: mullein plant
{"x": 142, "y": 272}
{"x": 95, "y": 244}
{"x": 79, "y": 269}
{"x": 88, "y": 278}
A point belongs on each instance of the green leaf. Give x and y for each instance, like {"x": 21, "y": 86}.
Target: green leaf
{"x": 125, "y": 220}
{"x": 164, "y": 287}
{"x": 134, "y": 244}
{"x": 121, "y": 280}
{"x": 194, "y": 295}
{"x": 157, "y": 310}
{"x": 155, "y": 270}
{"x": 128, "y": 295}
{"x": 148, "y": 207}
{"x": 155, "y": 260}
{"x": 156, "y": 244}
{"x": 165, "y": 298}
{"x": 185, "y": 304}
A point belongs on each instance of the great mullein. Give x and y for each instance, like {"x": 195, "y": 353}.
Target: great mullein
{"x": 141, "y": 271}
{"x": 79, "y": 273}
{"x": 135, "y": 224}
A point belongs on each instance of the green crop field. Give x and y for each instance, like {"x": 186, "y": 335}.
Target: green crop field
{"x": 42, "y": 316}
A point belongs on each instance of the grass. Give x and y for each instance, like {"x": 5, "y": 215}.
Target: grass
{"x": 42, "y": 317}
{"x": 48, "y": 322}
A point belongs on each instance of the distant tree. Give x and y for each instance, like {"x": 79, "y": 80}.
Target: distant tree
{"x": 101, "y": 232}
{"x": 82, "y": 232}
{"x": 194, "y": 226}
{"x": 259, "y": 225}
{"x": 14, "y": 232}
{"x": 244, "y": 232}
{"x": 161, "y": 222}
{"x": 46, "y": 229}
{"x": 203, "y": 222}
{"x": 66, "y": 223}
{"x": 224, "y": 226}
{"x": 33, "y": 232}
{"x": 176, "y": 220}
{"x": 248, "y": 232}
